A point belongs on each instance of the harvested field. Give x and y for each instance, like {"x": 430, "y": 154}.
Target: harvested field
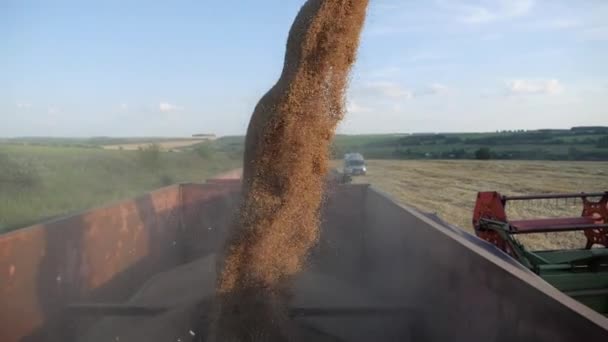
{"x": 449, "y": 188}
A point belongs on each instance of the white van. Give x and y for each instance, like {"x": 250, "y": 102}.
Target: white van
{"x": 354, "y": 164}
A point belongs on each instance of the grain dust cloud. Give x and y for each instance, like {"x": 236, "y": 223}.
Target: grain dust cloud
{"x": 285, "y": 164}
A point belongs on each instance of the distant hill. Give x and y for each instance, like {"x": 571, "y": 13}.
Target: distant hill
{"x": 107, "y": 142}
{"x": 578, "y": 143}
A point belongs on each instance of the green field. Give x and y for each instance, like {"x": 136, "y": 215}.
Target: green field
{"x": 40, "y": 182}
{"x": 574, "y": 144}
{"x": 92, "y": 142}
{"x": 42, "y": 177}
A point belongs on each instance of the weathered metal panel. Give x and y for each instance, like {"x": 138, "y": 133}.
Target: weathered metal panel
{"x": 102, "y": 254}
{"x": 342, "y": 237}
{"x": 207, "y": 213}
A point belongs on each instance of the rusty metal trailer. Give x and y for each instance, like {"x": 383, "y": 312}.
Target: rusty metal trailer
{"x": 381, "y": 272}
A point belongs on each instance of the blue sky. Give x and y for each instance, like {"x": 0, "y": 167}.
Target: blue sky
{"x": 141, "y": 68}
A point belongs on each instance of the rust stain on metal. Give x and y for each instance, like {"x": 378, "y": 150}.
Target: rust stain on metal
{"x": 48, "y": 265}
{"x": 18, "y": 293}
{"x": 100, "y": 252}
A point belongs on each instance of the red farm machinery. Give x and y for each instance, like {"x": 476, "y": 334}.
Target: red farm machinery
{"x": 581, "y": 273}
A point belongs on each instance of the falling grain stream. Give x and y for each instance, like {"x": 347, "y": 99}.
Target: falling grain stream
{"x": 286, "y": 161}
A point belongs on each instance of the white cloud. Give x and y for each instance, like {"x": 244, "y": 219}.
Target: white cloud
{"x": 384, "y": 30}
{"x": 491, "y": 36}
{"x": 424, "y": 56}
{"x": 477, "y": 14}
{"x": 24, "y": 105}
{"x": 487, "y": 10}
{"x": 438, "y": 89}
{"x": 389, "y": 92}
{"x": 354, "y": 108}
{"x": 534, "y": 86}
{"x": 396, "y": 107}
{"x": 386, "y": 18}
{"x": 556, "y": 24}
{"x": 388, "y": 7}
{"x": 390, "y": 89}
{"x": 516, "y": 8}
{"x": 384, "y": 72}
{"x": 596, "y": 33}
{"x": 166, "y": 107}
{"x": 53, "y": 110}
{"x": 124, "y": 106}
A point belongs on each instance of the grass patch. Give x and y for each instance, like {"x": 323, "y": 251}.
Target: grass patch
{"x": 17, "y": 175}
{"x": 46, "y": 181}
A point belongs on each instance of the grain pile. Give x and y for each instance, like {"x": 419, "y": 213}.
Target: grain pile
{"x": 285, "y": 165}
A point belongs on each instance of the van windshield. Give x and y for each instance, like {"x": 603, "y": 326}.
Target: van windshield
{"x": 355, "y": 163}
